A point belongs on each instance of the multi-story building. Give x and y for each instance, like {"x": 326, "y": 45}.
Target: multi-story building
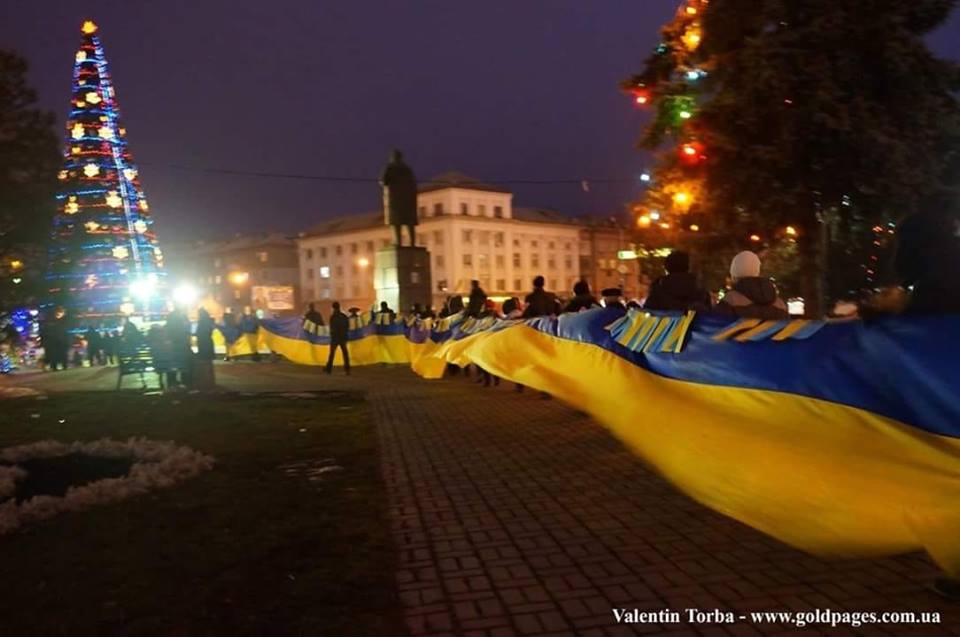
{"x": 472, "y": 231}
{"x": 604, "y": 247}
{"x": 256, "y": 271}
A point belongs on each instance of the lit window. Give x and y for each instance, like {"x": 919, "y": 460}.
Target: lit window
{"x": 217, "y": 280}
{"x": 324, "y": 271}
{"x": 263, "y": 256}
{"x": 467, "y": 260}
{"x": 325, "y": 294}
{"x": 216, "y": 263}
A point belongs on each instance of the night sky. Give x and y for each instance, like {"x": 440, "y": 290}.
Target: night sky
{"x": 500, "y": 89}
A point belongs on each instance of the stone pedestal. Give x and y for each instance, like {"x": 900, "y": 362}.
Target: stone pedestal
{"x": 401, "y": 277}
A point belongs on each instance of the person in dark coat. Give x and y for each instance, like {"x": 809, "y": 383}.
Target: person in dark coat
{"x": 339, "y": 329}
{"x": 385, "y": 309}
{"x": 613, "y": 297}
{"x": 57, "y": 349}
{"x": 678, "y": 290}
{"x": 539, "y": 302}
{"x": 112, "y": 346}
{"x": 752, "y": 295}
{"x": 204, "y": 334}
{"x": 203, "y": 377}
{"x": 453, "y": 305}
{"x": 313, "y": 315}
{"x": 582, "y": 299}
{"x": 928, "y": 261}
{"x": 92, "y": 337}
{"x": 477, "y": 300}
{"x": 130, "y": 336}
{"x": 176, "y": 337}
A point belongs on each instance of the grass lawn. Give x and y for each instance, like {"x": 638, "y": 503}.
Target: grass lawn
{"x": 253, "y": 547}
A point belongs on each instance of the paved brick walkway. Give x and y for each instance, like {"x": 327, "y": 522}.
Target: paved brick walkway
{"x": 518, "y": 516}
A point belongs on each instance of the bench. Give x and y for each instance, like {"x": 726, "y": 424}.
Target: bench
{"x": 142, "y": 358}
{"x": 134, "y": 359}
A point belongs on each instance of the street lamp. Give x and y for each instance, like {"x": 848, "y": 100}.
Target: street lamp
{"x": 363, "y": 262}
{"x": 185, "y": 294}
{"x": 239, "y": 278}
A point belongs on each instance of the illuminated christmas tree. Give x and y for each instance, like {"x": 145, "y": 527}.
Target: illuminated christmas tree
{"x": 785, "y": 136}
{"x": 103, "y": 258}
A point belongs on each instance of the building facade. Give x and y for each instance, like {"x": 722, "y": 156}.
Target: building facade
{"x": 260, "y": 272}
{"x": 472, "y": 231}
{"x": 604, "y": 244}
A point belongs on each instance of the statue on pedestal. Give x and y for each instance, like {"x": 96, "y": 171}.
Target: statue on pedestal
{"x": 399, "y": 197}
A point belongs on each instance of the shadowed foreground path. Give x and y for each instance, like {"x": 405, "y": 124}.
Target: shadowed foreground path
{"x": 514, "y": 515}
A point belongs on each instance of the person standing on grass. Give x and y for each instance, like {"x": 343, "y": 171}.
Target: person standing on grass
{"x": 203, "y": 362}
{"x": 339, "y": 329}
{"x": 92, "y": 337}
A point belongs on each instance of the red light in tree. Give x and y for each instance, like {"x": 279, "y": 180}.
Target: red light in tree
{"x": 692, "y": 153}
{"x": 641, "y": 95}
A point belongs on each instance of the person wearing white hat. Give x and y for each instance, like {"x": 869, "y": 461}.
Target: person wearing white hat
{"x": 752, "y": 296}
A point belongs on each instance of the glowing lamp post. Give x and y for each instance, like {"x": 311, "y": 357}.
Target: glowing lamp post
{"x": 185, "y": 295}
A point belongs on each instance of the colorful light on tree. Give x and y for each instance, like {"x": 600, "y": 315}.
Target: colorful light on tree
{"x": 670, "y": 86}
{"x": 102, "y": 240}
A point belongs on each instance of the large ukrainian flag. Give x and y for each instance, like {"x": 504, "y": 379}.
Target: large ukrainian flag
{"x": 837, "y": 438}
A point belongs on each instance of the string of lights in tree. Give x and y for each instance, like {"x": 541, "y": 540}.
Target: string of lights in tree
{"x": 670, "y": 84}
{"x": 103, "y": 252}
